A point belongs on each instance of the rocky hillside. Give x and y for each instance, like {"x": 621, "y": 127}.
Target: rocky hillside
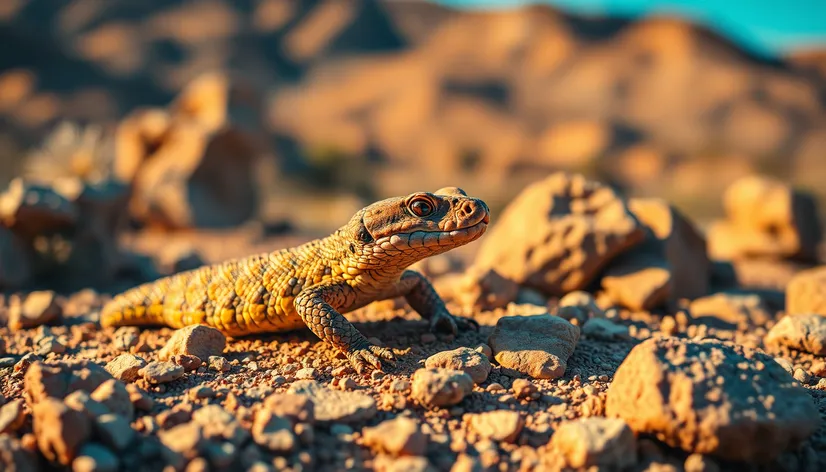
{"x": 375, "y": 98}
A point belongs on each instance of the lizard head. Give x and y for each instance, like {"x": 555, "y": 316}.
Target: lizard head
{"x": 399, "y": 231}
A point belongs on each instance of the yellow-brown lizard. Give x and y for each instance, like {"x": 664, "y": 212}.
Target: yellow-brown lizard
{"x": 312, "y": 284}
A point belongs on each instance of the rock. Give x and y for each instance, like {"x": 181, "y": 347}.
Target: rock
{"x": 114, "y": 431}
{"x": 219, "y": 364}
{"x": 469, "y": 361}
{"x": 801, "y": 332}
{"x": 700, "y": 463}
{"x": 16, "y": 261}
{"x": 584, "y": 301}
{"x": 189, "y": 363}
{"x": 741, "y": 310}
{"x": 38, "y": 309}
{"x": 273, "y": 433}
{"x": 125, "y": 367}
{"x": 14, "y": 457}
{"x": 30, "y": 209}
{"x": 297, "y": 408}
{"x": 806, "y": 292}
{"x": 536, "y": 345}
{"x": 81, "y": 401}
{"x": 305, "y": 374}
{"x": 335, "y": 405}
{"x": 733, "y": 402}
{"x": 11, "y": 416}
{"x": 766, "y": 218}
{"x": 113, "y": 394}
{"x": 404, "y": 464}
{"x": 524, "y": 389}
{"x": 126, "y": 337}
{"x": 680, "y": 243}
{"x": 435, "y": 388}
{"x": 95, "y": 458}
{"x": 483, "y": 290}
{"x": 184, "y": 440}
{"x": 558, "y": 234}
{"x": 139, "y": 398}
{"x": 498, "y": 425}
{"x": 596, "y": 442}
{"x": 219, "y": 424}
{"x": 161, "y": 372}
{"x": 400, "y": 436}
{"x": 42, "y": 381}
{"x": 60, "y": 431}
{"x": 200, "y": 341}
{"x": 605, "y": 330}
{"x": 639, "y": 280}
{"x": 184, "y": 174}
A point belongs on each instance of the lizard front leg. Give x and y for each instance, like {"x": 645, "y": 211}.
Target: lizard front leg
{"x": 318, "y": 307}
{"x": 422, "y": 297}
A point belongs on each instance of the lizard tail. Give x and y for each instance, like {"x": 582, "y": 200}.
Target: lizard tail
{"x": 142, "y": 305}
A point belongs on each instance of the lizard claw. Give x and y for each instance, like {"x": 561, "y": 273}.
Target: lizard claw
{"x": 369, "y": 357}
{"x": 452, "y": 324}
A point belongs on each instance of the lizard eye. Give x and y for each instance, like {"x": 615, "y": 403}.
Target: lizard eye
{"x": 421, "y": 207}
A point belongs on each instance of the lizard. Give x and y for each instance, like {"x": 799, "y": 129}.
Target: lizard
{"x": 311, "y": 285}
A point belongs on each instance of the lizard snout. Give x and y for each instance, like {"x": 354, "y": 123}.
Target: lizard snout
{"x": 472, "y": 211}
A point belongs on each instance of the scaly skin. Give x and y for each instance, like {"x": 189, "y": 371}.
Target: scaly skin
{"x": 314, "y": 283}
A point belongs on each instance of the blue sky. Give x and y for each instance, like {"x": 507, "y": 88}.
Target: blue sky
{"x": 765, "y": 26}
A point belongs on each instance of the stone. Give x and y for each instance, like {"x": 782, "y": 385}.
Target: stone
{"x": 536, "y": 345}
{"x": 11, "y": 416}
{"x": 31, "y": 209}
{"x": 524, "y": 389}
{"x": 219, "y": 363}
{"x": 435, "y": 388}
{"x": 125, "y": 367}
{"x": 497, "y": 425}
{"x": 42, "y": 381}
{"x": 189, "y": 363}
{"x": 558, "y": 234}
{"x": 400, "y": 436}
{"x": 305, "y": 374}
{"x": 680, "y": 243}
{"x": 605, "y": 330}
{"x": 335, "y": 405}
{"x": 740, "y": 310}
{"x": 470, "y": 361}
{"x": 219, "y": 424}
{"x": 766, "y": 218}
{"x": 114, "y": 431}
{"x": 484, "y": 290}
{"x": 273, "y": 432}
{"x": 183, "y": 440}
{"x": 295, "y": 407}
{"x": 14, "y": 457}
{"x": 113, "y": 394}
{"x": 806, "y": 292}
{"x": 584, "y": 301}
{"x": 200, "y": 341}
{"x": 711, "y": 397}
{"x": 161, "y": 372}
{"x": 639, "y": 280}
{"x": 125, "y": 338}
{"x": 38, "y": 309}
{"x": 801, "y": 332}
{"x": 95, "y": 458}
{"x": 596, "y": 442}
{"x": 81, "y": 401}
{"x": 60, "y": 430}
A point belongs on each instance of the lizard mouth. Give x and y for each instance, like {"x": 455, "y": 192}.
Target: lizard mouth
{"x": 433, "y": 239}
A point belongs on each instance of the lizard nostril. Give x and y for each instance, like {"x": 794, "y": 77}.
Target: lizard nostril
{"x": 467, "y": 209}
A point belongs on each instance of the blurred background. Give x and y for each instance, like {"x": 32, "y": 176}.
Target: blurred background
{"x": 180, "y": 115}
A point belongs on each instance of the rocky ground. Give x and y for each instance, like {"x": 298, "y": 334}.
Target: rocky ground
{"x": 608, "y": 340}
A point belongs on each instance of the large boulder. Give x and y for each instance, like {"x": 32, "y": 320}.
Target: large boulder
{"x": 766, "y": 218}
{"x": 713, "y": 398}
{"x": 559, "y": 233}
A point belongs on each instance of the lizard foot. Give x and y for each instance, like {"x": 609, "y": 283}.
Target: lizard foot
{"x": 444, "y": 321}
{"x": 369, "y": 356}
